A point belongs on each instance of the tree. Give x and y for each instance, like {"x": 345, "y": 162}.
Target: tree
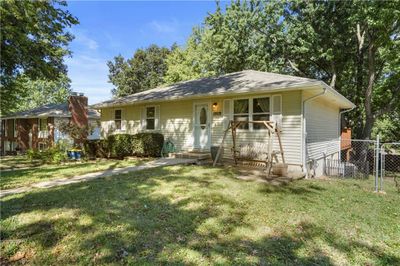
{"x": 144, "y": 71}
{"x": 231, "y": 41}
{"x": 190, "y": 62}
{"x": 351, "y": 45}
{"x": 40, "y": 92}
{"x": 33, "y": 43}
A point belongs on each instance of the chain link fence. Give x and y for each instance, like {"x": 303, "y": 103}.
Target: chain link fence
{"x": 366, "y": 159}
{"x": 390, "y": 163}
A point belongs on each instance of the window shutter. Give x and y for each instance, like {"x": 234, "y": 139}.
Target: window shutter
{"x": 143, "y": 118}
{"x": 227, "y": 113}
{"x": 112, "y": 122}
{"x": 15, "y": 128}
{"x": 123, "y": 121}
{"x": 277, "y": 110}
{"x": 157, "y": 117}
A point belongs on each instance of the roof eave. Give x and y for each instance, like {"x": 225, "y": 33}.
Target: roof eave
{"x": 44, "y": 116}
{"x": 309, "y": 85}
{"x": 346, "y": 103}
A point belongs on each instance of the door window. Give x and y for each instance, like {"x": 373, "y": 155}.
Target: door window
{"x": 203, "y": 118}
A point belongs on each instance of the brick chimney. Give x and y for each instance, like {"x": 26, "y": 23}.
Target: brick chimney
{"x": 78, "y": 106}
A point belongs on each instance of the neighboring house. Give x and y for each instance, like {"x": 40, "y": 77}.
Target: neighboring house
{"x": 194, "y": 114}
{"x": 38, "y": 128}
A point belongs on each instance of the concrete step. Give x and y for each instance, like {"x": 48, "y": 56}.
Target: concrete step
{"x": 191, "y": 155}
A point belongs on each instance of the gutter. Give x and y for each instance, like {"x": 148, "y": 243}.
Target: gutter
{"x": 339, "y": 128}
{"x": 305, "y": 130}
{"x": 248, "y": 91}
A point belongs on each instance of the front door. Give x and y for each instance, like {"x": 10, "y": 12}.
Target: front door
{"x": 202, "y": 122}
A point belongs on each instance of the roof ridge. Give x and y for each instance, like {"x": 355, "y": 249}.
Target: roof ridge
{"x": 186, "y": 81}
{"x": 233, "y": 82}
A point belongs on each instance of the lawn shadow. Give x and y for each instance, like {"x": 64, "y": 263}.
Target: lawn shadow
{"x": 133, "y": 220}
{"x": 13, "y": 179}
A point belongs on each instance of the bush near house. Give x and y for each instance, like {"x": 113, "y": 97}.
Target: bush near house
{"x": 54, "y": 154}
{"x": 122, "y": 145}
{"x": 147, "y": 144}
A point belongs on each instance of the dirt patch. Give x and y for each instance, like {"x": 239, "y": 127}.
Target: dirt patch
{"x": 260, "y": 175}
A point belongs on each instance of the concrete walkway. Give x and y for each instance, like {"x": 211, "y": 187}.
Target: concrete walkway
{"x": 90, "y": 176}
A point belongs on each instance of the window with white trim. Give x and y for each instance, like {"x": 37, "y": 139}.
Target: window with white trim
{"x": 241, "y": 112}
{"x": 252, "y": 109}
{"x": 261, "y": 111}
{"x": 150, "y": 118}
{"x": 42, "y": 146}
{"x": 42, "y": 124}
{"x": 118, "y": 119}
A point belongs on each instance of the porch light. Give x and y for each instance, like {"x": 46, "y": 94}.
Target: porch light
{"x": 214, "y": 107}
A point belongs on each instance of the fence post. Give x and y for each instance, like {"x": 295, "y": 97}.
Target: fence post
{"x": 376, "y": 163}
{"x": 382, "y": 157}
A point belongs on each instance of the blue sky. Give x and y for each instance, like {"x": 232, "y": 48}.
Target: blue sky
{"x": 107, "y": 29}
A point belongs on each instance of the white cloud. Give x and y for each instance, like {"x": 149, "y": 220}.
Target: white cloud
{"x": 82, "y": 38}
{"x": 89, "y": 74}
{"x": 164, "y": 26}
{"x": 112, "y": 41}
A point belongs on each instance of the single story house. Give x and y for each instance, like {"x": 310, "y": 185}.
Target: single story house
{"x": 194, "y": 114}
{"x": 38, "y": 128}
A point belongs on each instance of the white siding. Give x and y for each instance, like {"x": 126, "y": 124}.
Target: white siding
{"x": 290, "y": 135}
{"x": 176, "y": 122}
{"x": 322, "y": 128}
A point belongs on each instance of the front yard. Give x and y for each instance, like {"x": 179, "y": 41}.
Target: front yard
{"x": 26, "y": 172}
{"x": 197, "y": 215}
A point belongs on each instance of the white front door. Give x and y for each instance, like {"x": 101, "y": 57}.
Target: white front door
{"x": 202, "y": 122}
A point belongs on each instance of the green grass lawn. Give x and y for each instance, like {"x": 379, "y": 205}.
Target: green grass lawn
{"x": 200, "y": 216}
{"x": 15, "y": 162}
{"x": 26, "y": 176}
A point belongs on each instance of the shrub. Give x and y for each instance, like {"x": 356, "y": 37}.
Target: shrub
{"x": 95, "y": 149}
{"x": 51, "y": 155}
{"x": 119, "y": 145}
{"x": 147, "y": 144}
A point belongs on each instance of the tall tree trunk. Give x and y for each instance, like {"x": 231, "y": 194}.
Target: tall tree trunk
{"x": 369, "y": 116}
{"x": 360, "y": 74}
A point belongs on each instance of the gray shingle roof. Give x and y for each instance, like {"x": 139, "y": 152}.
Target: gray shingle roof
{"x": 51, "y": 110}
{"x": 238, "y": 82}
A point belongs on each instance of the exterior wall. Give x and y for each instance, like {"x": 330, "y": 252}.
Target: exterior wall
{"x": 26, "y": 136}
{"x": 94, "y": 123}
{"x": 58, "y": 135}
{"x": 77, "y": 105}
{"x": 25, "y": 127}
{"x": 176, "y": 122}
{"x": 290, "y": 134}
{"x": 8, "y": 142}
{"x": 322, "y": 127}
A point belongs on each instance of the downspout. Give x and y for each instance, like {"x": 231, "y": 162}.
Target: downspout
{"x": 305, "y": 130}
{"x": 340, "y": 130}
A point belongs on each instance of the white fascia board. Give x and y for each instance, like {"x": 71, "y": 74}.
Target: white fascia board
{"x": 346, "y": 103}
{"x": 305, "y": 86}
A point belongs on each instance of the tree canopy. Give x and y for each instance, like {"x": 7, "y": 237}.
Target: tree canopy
{"x": 145, "y": 70}
{"x": 42, "y": 92}
{"x": 351, "y": 45}
{"x": 33, "y": 43}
